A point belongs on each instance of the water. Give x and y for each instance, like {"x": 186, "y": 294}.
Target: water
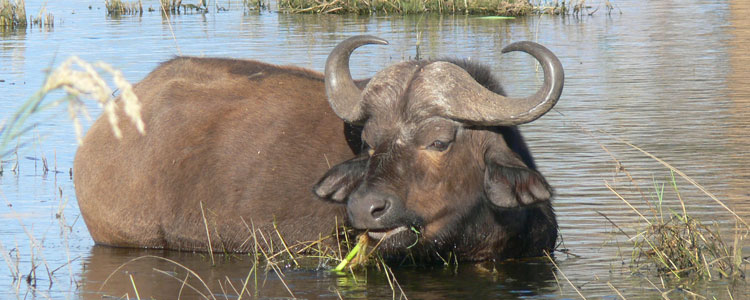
{"x": 672, "y": 77}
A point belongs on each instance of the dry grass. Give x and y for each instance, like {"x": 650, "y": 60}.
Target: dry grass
{"x": 483, "y": 7}
{"x": 119, "y": 7}
{"x": 674, "y": 245}
{"x": 474, "y": 7}
{"x": 256, "y": 5}
{"x": 573, "y": 7}
{"x": 13, "y": 15}
{"x": 79, "y": 80}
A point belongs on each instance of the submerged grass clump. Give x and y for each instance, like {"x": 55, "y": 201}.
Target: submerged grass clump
{"x": 486, "y": 7}
{"x": 676, "y": 244}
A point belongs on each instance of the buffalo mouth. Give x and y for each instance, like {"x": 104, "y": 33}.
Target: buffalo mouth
{"x": 384, "y": 234}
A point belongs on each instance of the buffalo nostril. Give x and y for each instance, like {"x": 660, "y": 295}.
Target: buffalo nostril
{"x": 379, "y": 209}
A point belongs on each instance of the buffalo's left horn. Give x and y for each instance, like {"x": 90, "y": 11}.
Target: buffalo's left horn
{"x": 462, "y": 98}
{"x": 343, "y": 95}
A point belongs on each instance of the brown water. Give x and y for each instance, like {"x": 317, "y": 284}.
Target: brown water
{"x": 672, "y": 77}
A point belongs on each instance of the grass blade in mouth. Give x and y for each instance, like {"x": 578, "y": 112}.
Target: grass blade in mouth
{"x": 360, "y": 246}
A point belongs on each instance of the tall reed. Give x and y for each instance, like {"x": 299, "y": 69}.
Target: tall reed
{"x": 118, "y": 7}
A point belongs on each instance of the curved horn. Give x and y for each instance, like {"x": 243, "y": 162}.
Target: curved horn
{"x": 486, "y": 108}
{"x": 343, "y": 95}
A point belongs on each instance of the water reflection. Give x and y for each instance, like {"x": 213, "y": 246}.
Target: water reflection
{"x": 739, "y": 110}
{"x": 161, "y": 274}
{"x": 505, "y": 280}
{"x": 114, "y": 272}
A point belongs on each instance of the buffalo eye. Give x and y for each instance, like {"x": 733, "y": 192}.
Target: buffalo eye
{"x": 439, "y": 145}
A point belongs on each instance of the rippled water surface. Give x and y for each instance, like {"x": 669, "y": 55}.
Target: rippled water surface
{"x": 671, "y": 77}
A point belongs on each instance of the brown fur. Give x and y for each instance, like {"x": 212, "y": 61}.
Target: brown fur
{"x": 244, "y": 139}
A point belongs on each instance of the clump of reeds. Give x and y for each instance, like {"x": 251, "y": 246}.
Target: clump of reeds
{"x": 484, "y": 7}
{"x": 118, "y": 7}
{"x": 256, "y": 5}
{"x": 13, "y": 15}
{"x": 677, "y": 244}
{"x": 202, "y": 6}
{"x": 43, "y": 19}
{"x": 572, "y": 7}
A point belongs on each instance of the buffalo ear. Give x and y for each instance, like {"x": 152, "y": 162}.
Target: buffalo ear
{"x": 511, "y": 186}
{"x": 341, "y": 180}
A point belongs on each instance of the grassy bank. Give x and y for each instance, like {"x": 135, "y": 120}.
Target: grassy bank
{"x": 484, "y": 7}
{"x": 472, "y": 7}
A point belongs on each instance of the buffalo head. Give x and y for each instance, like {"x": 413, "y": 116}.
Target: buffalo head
{"x": 443, "y": 167}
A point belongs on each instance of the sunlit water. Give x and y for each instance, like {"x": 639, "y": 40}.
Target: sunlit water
{"x": 671, "y": 77}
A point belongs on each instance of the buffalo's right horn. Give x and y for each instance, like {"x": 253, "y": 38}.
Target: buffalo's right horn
{"x": 462, "y": 98}
{"x": 343, "y": 95}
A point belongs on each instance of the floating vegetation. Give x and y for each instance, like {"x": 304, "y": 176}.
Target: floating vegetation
{"x": 13, "y": 15}
{"x": 482, "y": 7}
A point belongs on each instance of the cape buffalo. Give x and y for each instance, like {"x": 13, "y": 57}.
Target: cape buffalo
{"x": 429, "y": 158}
